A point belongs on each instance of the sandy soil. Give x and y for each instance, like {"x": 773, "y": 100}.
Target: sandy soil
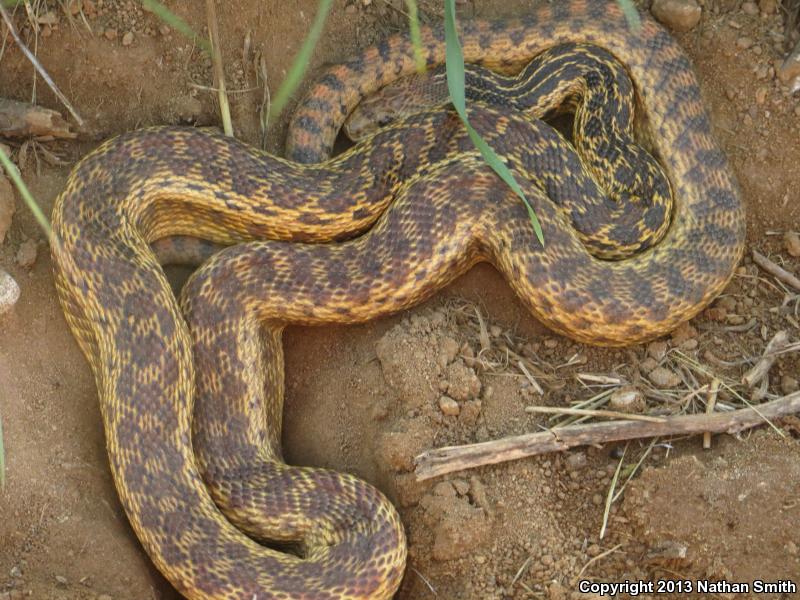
{"x": 365, "y": 399}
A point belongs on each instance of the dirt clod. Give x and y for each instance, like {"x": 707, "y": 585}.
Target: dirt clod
{"x": 678, "y": 15}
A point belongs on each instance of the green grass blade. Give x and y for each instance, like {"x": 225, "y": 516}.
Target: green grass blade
{"x": 14, "y": 175}
{"x": 416, "y": 35}
{"x": 631, "y": 14}
{"x": 455, "y": 85}
{"x": 295, "y": 75}
{"x": 174, "y": 21}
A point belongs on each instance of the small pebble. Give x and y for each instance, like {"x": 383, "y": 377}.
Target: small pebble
{"x": 26, "y": 254}
{"x": 791, "y": 240}
{"x": 678, "y": 15}
{"x": 61, "y": 580}
{"x": 750, "y": 8}
{"x": 789, "y": 384}
{"x": 768, "y": 7}
{"x": 789, "y": 71}
{"x": 48, "y": 18}
{"x": 461, "y": 486}
{"x": 111, "y": 34}
{"x": 9, "y": 294}
{"x": 627, "y": 399}
{"x": 744, "y": 42}
{"x": 683, "y": 333}
{"x": 647, "y": 365}
{"x": 576, "y": 460}
{"x": 664, "y": 378}
{"x": 657, "y": 349}
{"x": 449, "y": 407}
{"x": 444, "y": 489}
{"x": 127, "y": 39}
{"x": 450, "y": 348}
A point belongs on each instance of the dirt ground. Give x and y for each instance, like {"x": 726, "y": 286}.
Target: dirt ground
{"x": 366, "y": 399}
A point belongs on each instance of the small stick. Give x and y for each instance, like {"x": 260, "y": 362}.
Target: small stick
{"x": 710, "y": 404}
{"x": 585, "y": 412}
{"x": 21, "y": 119}
{"x": 764, "y": 364}
{"x": 530, "y": 378}
{"x": 773, "y": 269}
{"x": 35, "y": 62}
{"x": 219, "y": 73}
{"x": 440, "y": 461}
{"x": 594, "y": 559}
{"x": 602, "y": 379}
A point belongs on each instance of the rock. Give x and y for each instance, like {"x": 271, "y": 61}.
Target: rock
{"x": 448, "y": 406}
{"x": 678, "y": 15}
{"x": 9, "y": 292}
{"x": 48, "y": 18}
{"x": 789, "y": 384}
{"x": 576, "y": 460}
{"x": 683, "y": 333}
{"x": 61, "y": 581}
{"x": 664, "y": 378}
{"x": 768, "y": 7}
{"x": 7, "y": 206}
{"x": 647, "y": 365}
{"x": 111, "y": 34}
{"x": 444, "y": 489}
{"x": 744, "y": 42}
{"x": 728, "y": 303}
{"x": 627, "y": 399}
{"x": 449, "y": 348}
{"x": 477, "y": 492}
{"x": 463, "y": 384}
{"x": 750, "y": 8}
{"x": 188, "y": 109}
{"x": 790, "y": 239}
{"x": 789, "y": 71}
{"x": 470, "y": 413}
{"x": 461, "y": 486}
{"x": 127, "y": 39}
{"x": 658, "y": 350}
{"x": 26, "y": 254}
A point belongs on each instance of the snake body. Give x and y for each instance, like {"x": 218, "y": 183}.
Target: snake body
{"x": 432, "y": 209}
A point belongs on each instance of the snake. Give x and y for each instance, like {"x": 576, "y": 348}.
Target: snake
{"x": 191, "y": 393}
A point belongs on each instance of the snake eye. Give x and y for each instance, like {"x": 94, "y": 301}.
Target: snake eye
{"x": 385, "y": 120}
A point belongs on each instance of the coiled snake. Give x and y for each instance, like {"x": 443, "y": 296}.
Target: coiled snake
{"x": 332, "y": 536}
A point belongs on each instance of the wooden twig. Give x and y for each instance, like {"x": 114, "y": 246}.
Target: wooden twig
{"x": 773, "y": 269}
{"x": 37, "y": 65}
{"x": 440, "y": 461}
{"x": 219, "y": 73}
{"x": 531, "y": 379}
{"x": 711, "y": 402}
{"x": 764, "y": 364}
{"x": 586, "y": 412}
{"x": 21, "y": 119}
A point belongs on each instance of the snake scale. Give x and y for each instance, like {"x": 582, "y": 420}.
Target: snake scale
{"x": 430, "y": 209}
